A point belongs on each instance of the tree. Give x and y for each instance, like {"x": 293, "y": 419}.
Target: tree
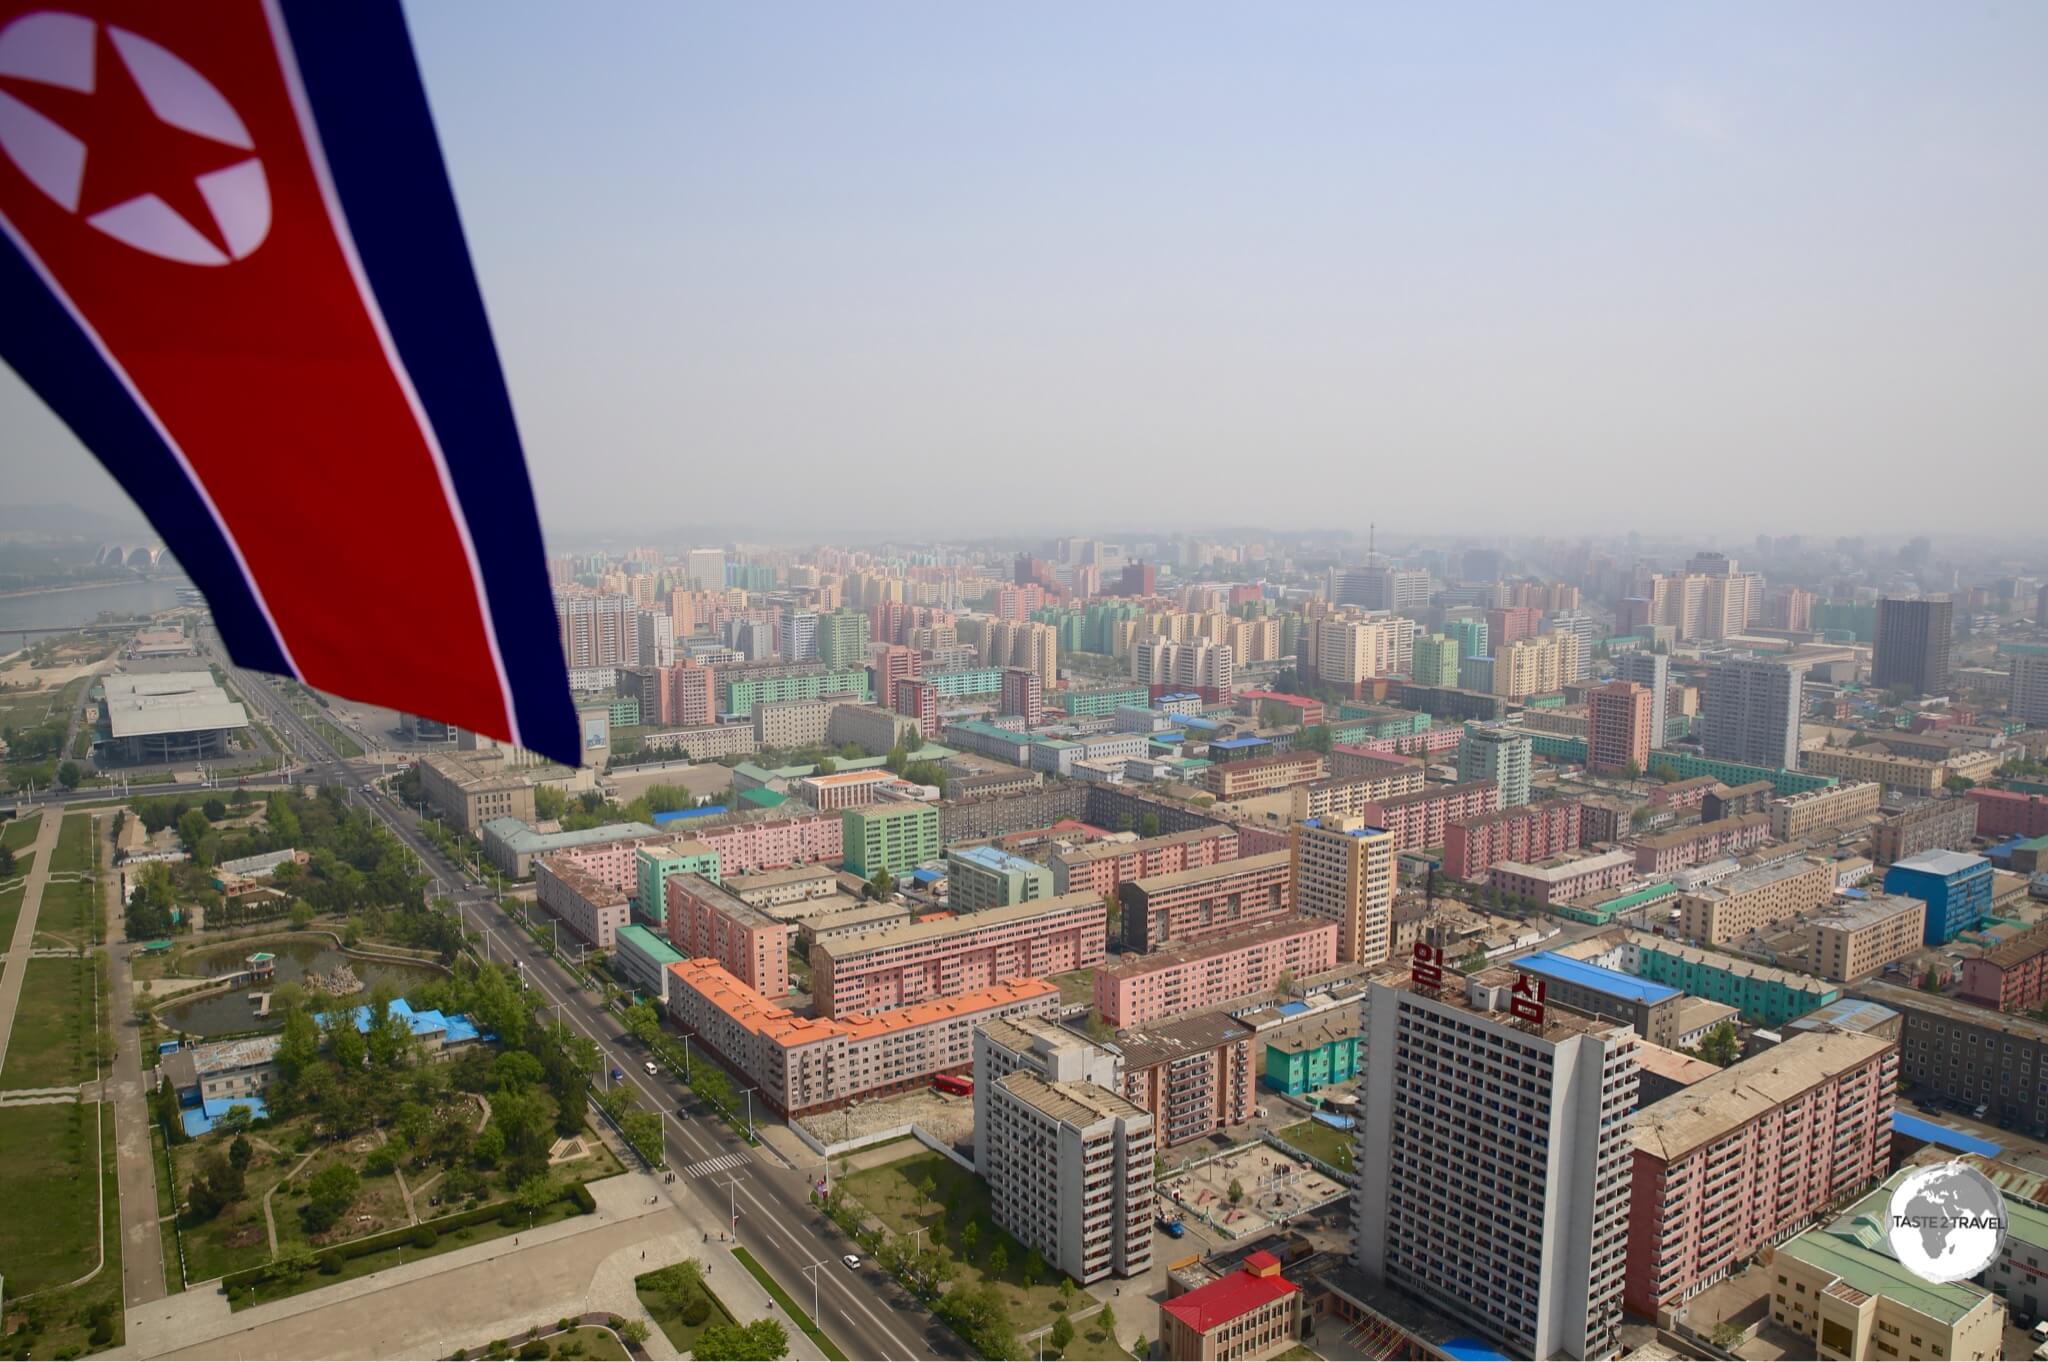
{"x": 1721, "y": 1046}
{"x": 979, "y": 1315}
{"x": 643, "y": 1023}
{"x": 998, "y": 1261}
{"x": 634, "y": 1331}
{"x": 6, "y": 861}
{"x": 1236, "y": 1191}
{"x": 215, "y": 809}
{"x": 927, "y": 1189}
{"x": 1106, "y": 1321}
{"x": 192, "y": 830}
{"x": 301, "y": 915}
{"x": 330, "y": 1192}
{"x": 1140, "y": 1349}
{"x": 761, "y": 1341}
{"x": 881, "y": 886}
{"x": 969, "y": 1237}
{"x": 1148, "y": 826}
{"x": 219, "y": 1182}
{"x": 68, "y": 774}
{"x": 535, "y": 1195}
{"x": 1062, "y": 1334}
{"x": 1284, "y": 982}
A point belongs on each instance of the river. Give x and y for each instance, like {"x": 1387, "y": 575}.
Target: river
{"x": 81, "y": 605}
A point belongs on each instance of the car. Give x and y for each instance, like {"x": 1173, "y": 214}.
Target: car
{"x": 652, "y": 1068}
{"x": 852, "y": 1260}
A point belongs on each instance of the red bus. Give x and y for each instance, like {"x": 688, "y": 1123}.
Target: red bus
{"x": 958, "y": 1084}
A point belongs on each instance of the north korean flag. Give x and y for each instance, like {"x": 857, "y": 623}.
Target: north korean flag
{"x": 233, "y": 266}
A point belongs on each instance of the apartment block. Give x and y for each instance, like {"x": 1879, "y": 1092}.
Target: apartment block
{"x": 1532, "y": 833}
{"x": 1541, "y": 665}
{"x": 989, "y": 877}
{"x": 772, "y": 843}
{"x": 1763, "y": 994}
{"x": 1422, "y": 818}
{"x": 1194, "y": 978}
{"x": 1565, "y": 880}
{"x": 586, "y": 904}
{"x": 891, "y": 837}
{"x": 1752, "y": 711}
{"x": 948, "y": 956}
{"x": 2007, "y": 813}
{"x": 1070, "y": 1174}
{"x": 1038, "y": 1046}
{"x": 1756, "y": 900}
{"x": 1751, "y": 1154}
{"x": 1618, "y": 728}
{"x": 654, "y": 864}
{"x": 1732, "y": 801}
{"x": 1932, "y": 825}
{"x": 2012, "y": 976}
{"x": 1955, "y": 1053}
{"x": 1493, "y": 1154}
{"x": 1861, "y": 937}
{"x": 706, "y": 921}
{"x": 1663, "y": 852}
{"x": 870, "y": 728}
{"x": 806, "y": 1064}
{"x": 1344, "y": 795}
{"x": 1343, "y": 871}
{"x": 1264, "y": 775}
{"x": 1100, "y": 867}
{"x": 1196, "y": 1076}
{"x": 1198, "y": 904}
{"x": 792, "y": 724}
{"x": 1818, "y": 811}
{"x": 772, "y": 889}
{"x": 1914, "y": 775}
{"x": 1500, "y": 754}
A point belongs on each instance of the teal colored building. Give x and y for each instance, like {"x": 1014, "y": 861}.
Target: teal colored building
{"x": 1764, "y": 995}
{"x": 1556, "y": 746}
{"x": 1436, "y": 660}
{"x": 1100, "y": 702}
{"x": 956, "y": 685}
{"x": 1311, "y": 1059}
{"x": 625, "y": 711}
{"x": 1471, "y": 635}
{"x": 653, "y": 867}
{"x": 1686, "y": 765}
{"x": 739, "y": 695}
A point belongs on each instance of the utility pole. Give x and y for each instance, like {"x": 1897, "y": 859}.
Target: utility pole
{"x": 733, "y": 1206}
{"x": 812, "y": 1273}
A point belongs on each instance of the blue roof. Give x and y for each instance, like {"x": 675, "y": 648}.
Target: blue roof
{"x": 1466, "y": 1348}
{"x": 1916, "y": 1128}
{"x": 664, "y": 819}
{"x": 994, "y": 858}
{"x": 198, "y": 1120}
{"x": 1292, "y": 1009}
{"x": 921, "y": 875}
{"x": 1602, "y": 980}
{"x": 1235, "y": 743}
{"x": 1850, "y": 1013}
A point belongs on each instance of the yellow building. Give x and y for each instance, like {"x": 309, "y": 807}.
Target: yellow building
{"x": 1344, "y": 870}
{"x": 1916, "y": 775}
{"x": 1756, "y": 900}
{"x": 1536, "y": 666}
{"x": 1863, "y": 938}
{"x": 1819, "y": 810}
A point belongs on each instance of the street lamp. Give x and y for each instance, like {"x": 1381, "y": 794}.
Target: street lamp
{"x": 750, "y": 1113}
{"x": 812, "y": 1273}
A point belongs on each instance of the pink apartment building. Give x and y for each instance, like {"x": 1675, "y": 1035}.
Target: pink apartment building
{"x": 1419, "y": 819}
{"x": 708, "y": 922}
{"x": 1751, "y": 1154}
{"x": 1532, "y": 832}
{"x": 1565, "y": 881}
{"x": 773, "y": 843}
{"x": 612, "y": 863}
{"x": 1168, "y": 983}
{"x": 897, "y": 966}
{"x": 1428, "y": 743}
{"x": 1664, "y": 852}
{"x": 1100, "y": 867}
{"x": 586, "y": 904}
{"x": 1682, "y": 794}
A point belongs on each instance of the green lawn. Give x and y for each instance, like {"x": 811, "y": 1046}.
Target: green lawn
{"x": 889, "y": 1194}
{"x": 48, "y": 1048}
{"x": 1331, "y": 1145}
{"x": 17, "y": 833}
{"x": 74, "y": 844}
{"x": 69, "y": 914}
{"x": 10, "y": 910}
{"x": 789, "y": 1307}
{"x": 48, "y": 1167}
{"x": 667, "y": 1310}
{"x": 66, "y": 1315}
{"x": 1077, "y": 987}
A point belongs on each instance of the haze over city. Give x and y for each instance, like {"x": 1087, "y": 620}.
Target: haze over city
{"x": 1764, "y": 265}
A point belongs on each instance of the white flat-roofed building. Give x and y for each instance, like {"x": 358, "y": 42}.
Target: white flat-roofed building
{"x": 1493, "y": 1158}
{"x": 1070, "y": 1174}
{"x": 167, "y": 716}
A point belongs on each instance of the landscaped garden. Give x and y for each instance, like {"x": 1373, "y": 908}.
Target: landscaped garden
{"x": 981, "y": 1280}
{"x": 1320, "y": 1140}
{"x": 682, "y": 1305}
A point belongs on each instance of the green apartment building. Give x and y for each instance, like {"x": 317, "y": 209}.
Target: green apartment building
{"x": 1766, "y": 996}
{"x": 1311, "y": 1058}
{"x": 652, "y": 868}
{"x": 1099, "y": 703}
{"x": 843, "y": 640}
{"x": 1733, "y": 773}
{"x": 1436, "y": 660}
{"x": 739, "y": 694}
{"x": 989, "y": 877}
{"x": 891, "y": 837}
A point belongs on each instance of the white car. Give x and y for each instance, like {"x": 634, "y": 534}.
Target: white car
{"x": 852, "y": 1260}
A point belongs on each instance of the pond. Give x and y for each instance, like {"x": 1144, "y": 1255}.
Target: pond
{"x": 224, "y": 1013}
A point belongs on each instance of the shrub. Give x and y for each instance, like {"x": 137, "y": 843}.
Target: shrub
{"x": 329, "y": 1263}
{"x": 533, "y": 1350}
{"x": 424, "y": 1237}
{"x": 694, "y": 1308}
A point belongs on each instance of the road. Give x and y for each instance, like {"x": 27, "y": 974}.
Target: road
{"x": 865, "y": 1312}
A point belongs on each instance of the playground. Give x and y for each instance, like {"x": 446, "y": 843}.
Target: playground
{"x": 1273, "y": 1188}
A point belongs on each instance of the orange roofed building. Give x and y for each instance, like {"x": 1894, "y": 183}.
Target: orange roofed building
{"x": 805, "y": 1064}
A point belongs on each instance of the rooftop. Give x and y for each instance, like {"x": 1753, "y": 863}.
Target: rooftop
{"x": 1566, "y": 869}
{"x": 1159, "y": 1044}
{"x": 1952, "y": 1009}
{"x": 1940, "y": 862}
{"x": 522, "y": 839}
{"x": 981, "y": 921}
{"x": 1612, "y": 982}
{"x": 151, "y": 703}
{"x": 650, "y": 943}
{"x": 1243, "y": 865}
{"x": 1758, "y": 877}
{"x": 1229, "y": 1297}
{"x": 2019, "y": 949}
{"x": 1870, "y": 911}
{"x": 1073, "y": 1104}
{"x": 1733, "y": 1097}
{"x": 1678, "y": 837}
{"x": 1747, "y": 969}
{"x": 1672, "y": 1065}
{"x": 773, "y": 879}
{"x": 1111, "y": 850}
{"x": 1856, "y": 1248}
{"x": 748, "y": 1009}
{"x": 994, "y": 858}
{"x": 1847, "y": 1014}
{"x": 1291, "y": 924}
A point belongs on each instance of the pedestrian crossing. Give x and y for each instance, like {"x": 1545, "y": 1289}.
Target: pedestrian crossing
{"x": 705, "y": 1167}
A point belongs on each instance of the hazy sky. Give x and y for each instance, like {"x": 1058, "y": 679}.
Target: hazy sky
{"x": 1030, "y": 267}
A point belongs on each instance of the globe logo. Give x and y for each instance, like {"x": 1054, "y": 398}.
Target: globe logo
{"x": 127, "y": 135}
{"x": 1946, "y": 1222}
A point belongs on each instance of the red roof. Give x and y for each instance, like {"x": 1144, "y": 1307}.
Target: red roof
{"x": 1226, "y": 1298}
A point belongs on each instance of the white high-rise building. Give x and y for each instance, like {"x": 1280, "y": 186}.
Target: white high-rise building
{"x": 1651, "y": 671}
{"x": 799, "y": 641}
{"x": 1068, "y": 1160}
{"x": 706, "y": 569}
{"x": 1494, "y": 1152}
{"x": 1184, "y": 666}
{"x": 657, "y": 647}
{"x": 2030, "y": 687}
{"x": 598, "y": 631}
{"x": 1750, "y": 712}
